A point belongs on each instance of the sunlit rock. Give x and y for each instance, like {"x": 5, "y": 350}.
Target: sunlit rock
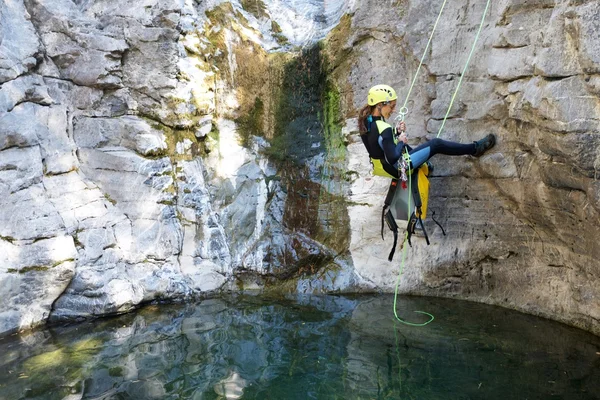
{"x": 130, "y": 132}
{"x": 18, "y": 52}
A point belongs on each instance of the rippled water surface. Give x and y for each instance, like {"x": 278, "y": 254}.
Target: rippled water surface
{"x": 319, "y": 347}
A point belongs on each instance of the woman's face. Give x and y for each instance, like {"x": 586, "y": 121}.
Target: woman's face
{"x": 388, "y": 109}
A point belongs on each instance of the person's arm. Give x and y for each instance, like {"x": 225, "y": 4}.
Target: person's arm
{"x": 392, "y": 151}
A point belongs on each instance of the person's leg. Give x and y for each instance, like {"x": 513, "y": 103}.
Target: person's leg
{"x": 428, "y": 149}
{"x": 424, "y": 152}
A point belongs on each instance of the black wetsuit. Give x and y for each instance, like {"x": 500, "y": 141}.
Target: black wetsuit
{"x": 383, "y": 146}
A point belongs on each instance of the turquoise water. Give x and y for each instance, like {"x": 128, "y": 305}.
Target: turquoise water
{"x": 308, "y": 347}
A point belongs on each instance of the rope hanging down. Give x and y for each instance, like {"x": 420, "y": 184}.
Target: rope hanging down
{"x": 462, "y": 74}
{"x": 402, "y": 269}
{"x": 401, "y": 115}
{"x": 404, "y": 110}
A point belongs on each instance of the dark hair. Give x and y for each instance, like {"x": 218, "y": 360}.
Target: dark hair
{"x": 363, "y": 114}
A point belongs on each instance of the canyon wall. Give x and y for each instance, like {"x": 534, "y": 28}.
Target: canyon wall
{"x": 174, "y": 150}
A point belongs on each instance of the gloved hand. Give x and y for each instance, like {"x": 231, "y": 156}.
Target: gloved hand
{"x": 403, "y": 138}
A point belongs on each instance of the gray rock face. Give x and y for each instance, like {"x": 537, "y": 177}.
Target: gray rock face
{"x": 131, "y": 169}
{"x": 89, "y": 213}
{"x": 519, "y": 226}
{"x": 129, "y": 132}
{"x": 19, "y": 52}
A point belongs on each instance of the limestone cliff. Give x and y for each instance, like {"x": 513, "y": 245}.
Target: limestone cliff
{"x": 171, "y": 150}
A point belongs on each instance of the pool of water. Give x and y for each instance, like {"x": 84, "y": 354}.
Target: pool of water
{"x": 306, "y": 347}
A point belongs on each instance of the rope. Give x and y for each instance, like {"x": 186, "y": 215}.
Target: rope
{"x": 487, "y": 5}
{"x": 403, "y": 110}
{"x": 402, "y": 268}
{"x": 402, "y": 113}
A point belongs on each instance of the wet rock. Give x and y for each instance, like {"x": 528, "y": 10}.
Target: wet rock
{"x": 33, "y": 276}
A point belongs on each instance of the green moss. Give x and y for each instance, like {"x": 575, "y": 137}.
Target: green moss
{"x": 336, "y": 43}
{"x": 154, "y": 124}
{"x": 293, "y": 100}
{"x": 278, "y": 149}
{"x": 217, "y": 19}
{"x": 334, "y": 141}
{"x": 251, "y": 124}
{"x": 116, "y": 371}
{"x": 275, "y": 27}
{"x": 8, "y": 239}
{"x": 312, "y": 267}
{"x": 34, "y": 268}
{"x": 277, "y": 33}
{"x": 339, "y": 62}
{"x": 179, "y": 136}
{"x": 225, "y": 17}
{"x": 110, "y": 199}
{"x": 298, "y": 111}
{"x": 355, "y": 203}
{"x": 351, "y": 176}
{"x": 256, "y": 8}
{"x": 211, "y": 141}
{"x": 85, "y": 345}
{"x": 220, "y": 14}
{"x": 281, "y": 39}
{"x": 45, "y": 361}
{"x": 40, "y": 268}
{"x": 76, "y": 240}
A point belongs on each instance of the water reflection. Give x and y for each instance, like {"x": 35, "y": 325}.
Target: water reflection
{"x": 320, "y": 347}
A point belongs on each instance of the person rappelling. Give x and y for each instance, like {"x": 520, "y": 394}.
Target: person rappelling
{"x": 392, "y": 157}
{"x": 386, "y": 144}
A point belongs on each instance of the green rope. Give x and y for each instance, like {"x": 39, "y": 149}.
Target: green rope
{"x": 410, "y": 171}
{"x": 465, "y": 67}
{"x": 402, "y": 113}
{"x": 396, "y": 293}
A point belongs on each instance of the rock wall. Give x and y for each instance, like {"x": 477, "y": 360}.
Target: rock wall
{"x": 171, "y": 150}
{"x": 521, "y": 221}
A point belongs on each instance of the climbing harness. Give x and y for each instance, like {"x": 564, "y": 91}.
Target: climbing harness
{"x": 397, "y": 207}
{"x": 418, "y": 215}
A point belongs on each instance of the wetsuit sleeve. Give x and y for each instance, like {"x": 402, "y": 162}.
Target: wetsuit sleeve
{"x": 392, "y": 151}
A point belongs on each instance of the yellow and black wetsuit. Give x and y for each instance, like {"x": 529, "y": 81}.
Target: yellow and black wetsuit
{"x": 384, "y": 148}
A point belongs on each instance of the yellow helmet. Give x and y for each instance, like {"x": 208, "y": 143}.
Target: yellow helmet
{"x": 381, "y": 93}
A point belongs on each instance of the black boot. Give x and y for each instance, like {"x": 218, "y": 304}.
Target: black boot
{"x": 483, "y": 145}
